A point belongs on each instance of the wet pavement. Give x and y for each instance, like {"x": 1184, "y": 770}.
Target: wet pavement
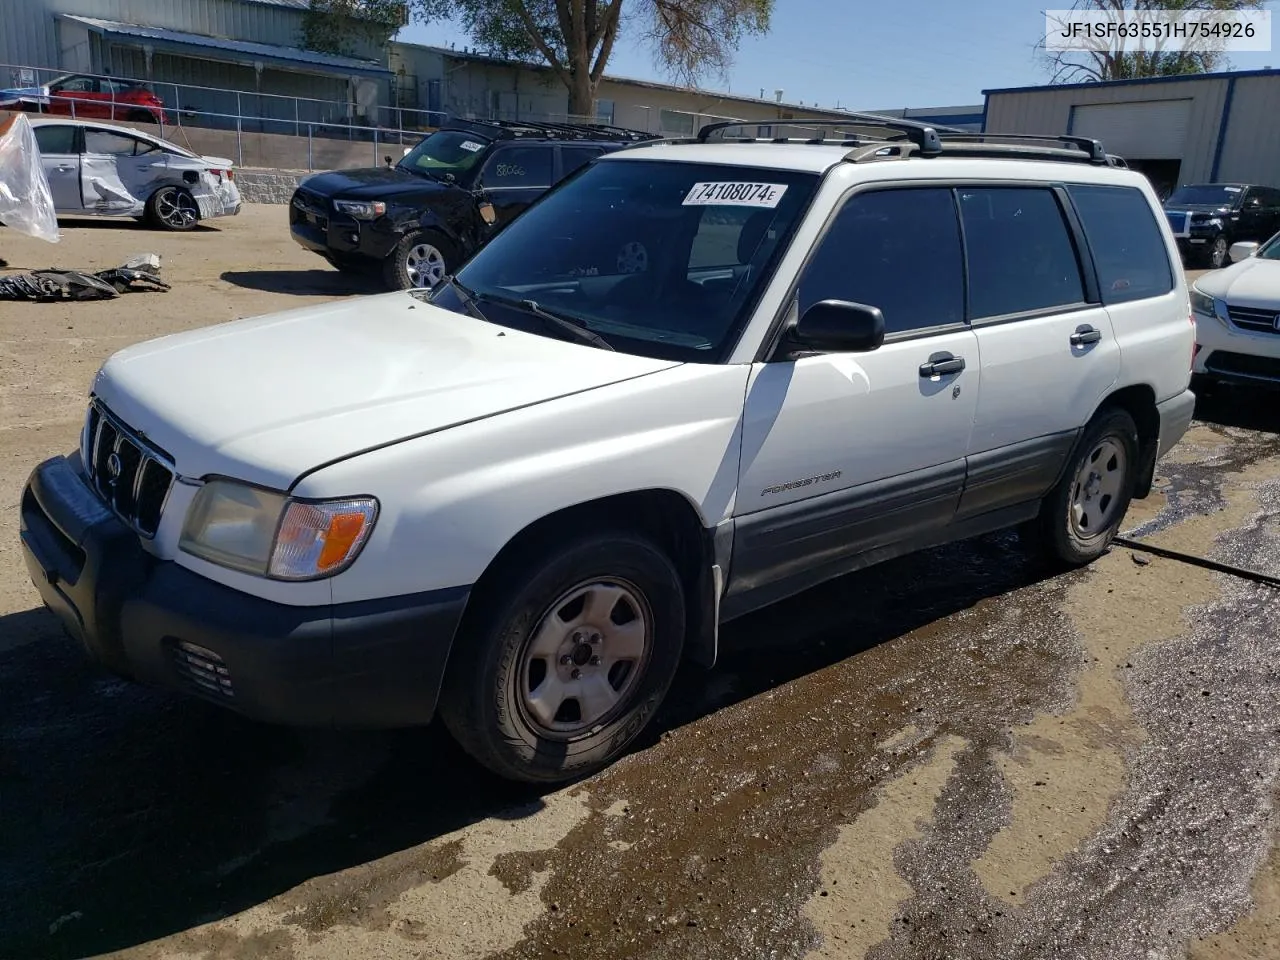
{"x": 956, "y": 754}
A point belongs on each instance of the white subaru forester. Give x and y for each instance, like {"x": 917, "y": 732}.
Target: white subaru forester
{"x": 695, "y": 378}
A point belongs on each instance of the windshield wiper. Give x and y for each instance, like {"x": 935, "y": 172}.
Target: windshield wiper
{"x": 468, "y": 298}
{"x": 577, "y": 330}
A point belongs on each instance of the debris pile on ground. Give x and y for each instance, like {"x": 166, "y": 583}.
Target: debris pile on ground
{"x": 57, "y": 283}
{"x": 26, "y": 203}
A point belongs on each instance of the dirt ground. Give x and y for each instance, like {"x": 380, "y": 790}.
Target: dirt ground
{"x": 952, "y": 755}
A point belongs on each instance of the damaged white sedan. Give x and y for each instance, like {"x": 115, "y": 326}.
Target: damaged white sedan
{"x": 99, "y": 169}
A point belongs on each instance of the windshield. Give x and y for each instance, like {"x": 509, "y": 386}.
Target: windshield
{"x": 1207, "y": 194}
{"x": 660, "y": 258}
{"x": 446, "y": 152}
{"x": 1271, "y": 249}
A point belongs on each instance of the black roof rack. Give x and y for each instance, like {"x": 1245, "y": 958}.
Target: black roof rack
{"x": 534, "y": 129}
{"x": 873, "y": 137}
{"x": 923, "y": 135}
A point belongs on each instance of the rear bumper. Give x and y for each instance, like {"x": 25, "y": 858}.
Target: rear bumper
{"x": 369, "y": 664}
{"x": 1175, "y": 419}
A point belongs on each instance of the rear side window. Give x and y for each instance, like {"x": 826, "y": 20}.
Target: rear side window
{"x": 573, "y": 158}
{"x": 898, "y": 250}
{"x": 1021, "y": 257}
{"x": 113, "y": 144}
{"x": 1128, "y": 248}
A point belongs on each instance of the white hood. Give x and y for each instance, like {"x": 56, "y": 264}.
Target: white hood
{"x": 266, "y": 399}
{"x": 1249, "y": 283}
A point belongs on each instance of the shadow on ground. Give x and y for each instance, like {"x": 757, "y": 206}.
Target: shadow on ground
{"x": 315, "y": 283}
{"x": 131, "y": 814}
{"x": 1244, "y": 407}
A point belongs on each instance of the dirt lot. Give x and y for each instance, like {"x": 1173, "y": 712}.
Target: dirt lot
{"x": 954, "y": 755}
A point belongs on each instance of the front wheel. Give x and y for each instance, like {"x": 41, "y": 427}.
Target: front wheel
{"x": 1216, "y": 257}
{"x": 1083, "y": 513}
{"x": 173, "y": 208}
{"x": 419, "y": 261}
{"x": 567, "y": 660}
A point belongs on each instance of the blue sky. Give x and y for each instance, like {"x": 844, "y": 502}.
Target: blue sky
{"x": 875, "y": 56}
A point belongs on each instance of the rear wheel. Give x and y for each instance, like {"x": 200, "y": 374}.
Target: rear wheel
{"x": 140, "y": 116}
{"x": 420, "y": 261}
{"x": 1083, "y": 513}
{"x": 567, "y": 659}
{"x": 173, "y": 208}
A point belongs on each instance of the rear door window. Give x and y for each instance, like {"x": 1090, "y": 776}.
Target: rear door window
{"x": 574, "y": 158}
{"x": 1021, "y": 257}
{"x": 1128, "y": 248}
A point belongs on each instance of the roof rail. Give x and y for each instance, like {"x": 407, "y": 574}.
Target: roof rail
{"x": 923, "y": 135}
{"x": 518, "y": 129}
{"x": 1090, "y": 146}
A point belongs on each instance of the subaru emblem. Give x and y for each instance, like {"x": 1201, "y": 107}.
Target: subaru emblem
{"x": 114, "y": 466}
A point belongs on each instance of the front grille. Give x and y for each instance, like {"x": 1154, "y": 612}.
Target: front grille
{"x": 131, "y": 475}
{"x": 308, "y": 207}
{"x": 1255, "y": 320}
{"x": 1244, "y": 365}
{"x": 203, "y": 669}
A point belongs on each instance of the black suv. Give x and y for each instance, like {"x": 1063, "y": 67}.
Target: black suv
{"x": 1207, "y": 218}
{"x": 419, "y": 220}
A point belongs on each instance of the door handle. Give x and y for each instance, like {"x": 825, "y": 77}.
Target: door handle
{"x": 1085, "y": 335}
{"x": 941, "y": 366}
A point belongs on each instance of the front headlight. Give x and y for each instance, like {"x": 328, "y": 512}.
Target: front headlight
{"x": 361, "y": 209}
{"x": 1203, "y": 305}
{"x": 269, "y": 534}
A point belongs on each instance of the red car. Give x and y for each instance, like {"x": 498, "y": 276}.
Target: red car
{"x": 97, "y": 98}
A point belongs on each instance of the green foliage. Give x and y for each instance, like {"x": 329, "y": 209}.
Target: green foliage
{"x": 329, "y": 26}
{"x": 689, "y": 38}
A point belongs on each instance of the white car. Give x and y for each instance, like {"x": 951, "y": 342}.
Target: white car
{"x": 100, "y": 169}
{"x": 525, "y": 496}
{"x": 1237, "y": 312}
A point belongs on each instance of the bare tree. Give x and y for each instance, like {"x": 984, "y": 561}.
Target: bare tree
{"x": 689, "y": 38}
{"x": 1121, "y": 61}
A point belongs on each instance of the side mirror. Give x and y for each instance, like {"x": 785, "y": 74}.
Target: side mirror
{"x": 1242, "y": 250}
{"x": 387, "y": 159}
{"x": 838, "y": 326}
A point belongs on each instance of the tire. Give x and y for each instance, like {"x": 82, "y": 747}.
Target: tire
{"x": 1083, "y": 512}
{"x": 140, "y": 116}
{"x": 1215, "y": 257}
{"x": 430, "y": 250}
{"x": 173, "y": 208}
{"x": 516, "y": 712}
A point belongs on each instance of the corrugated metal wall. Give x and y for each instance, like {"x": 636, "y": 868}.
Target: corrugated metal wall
{"x": 1048, "y": 111}
{"x": 1251, "y": 150}
{"x": 29, "y": 33}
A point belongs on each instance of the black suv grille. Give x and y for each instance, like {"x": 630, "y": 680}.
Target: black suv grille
{"x": 1254, "y": 320}
{"x": 309, "y": 207}
{"x": 132, "y": 476}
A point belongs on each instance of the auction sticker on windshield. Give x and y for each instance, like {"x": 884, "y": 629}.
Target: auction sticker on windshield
{"x": 735, "y": 194}
{"x": 471, "y": 146}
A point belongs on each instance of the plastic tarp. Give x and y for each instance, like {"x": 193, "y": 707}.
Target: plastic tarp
{"x": 26, "y": 203}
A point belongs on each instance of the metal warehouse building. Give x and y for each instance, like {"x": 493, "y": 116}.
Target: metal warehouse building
{"x": 1215, "y": 127}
